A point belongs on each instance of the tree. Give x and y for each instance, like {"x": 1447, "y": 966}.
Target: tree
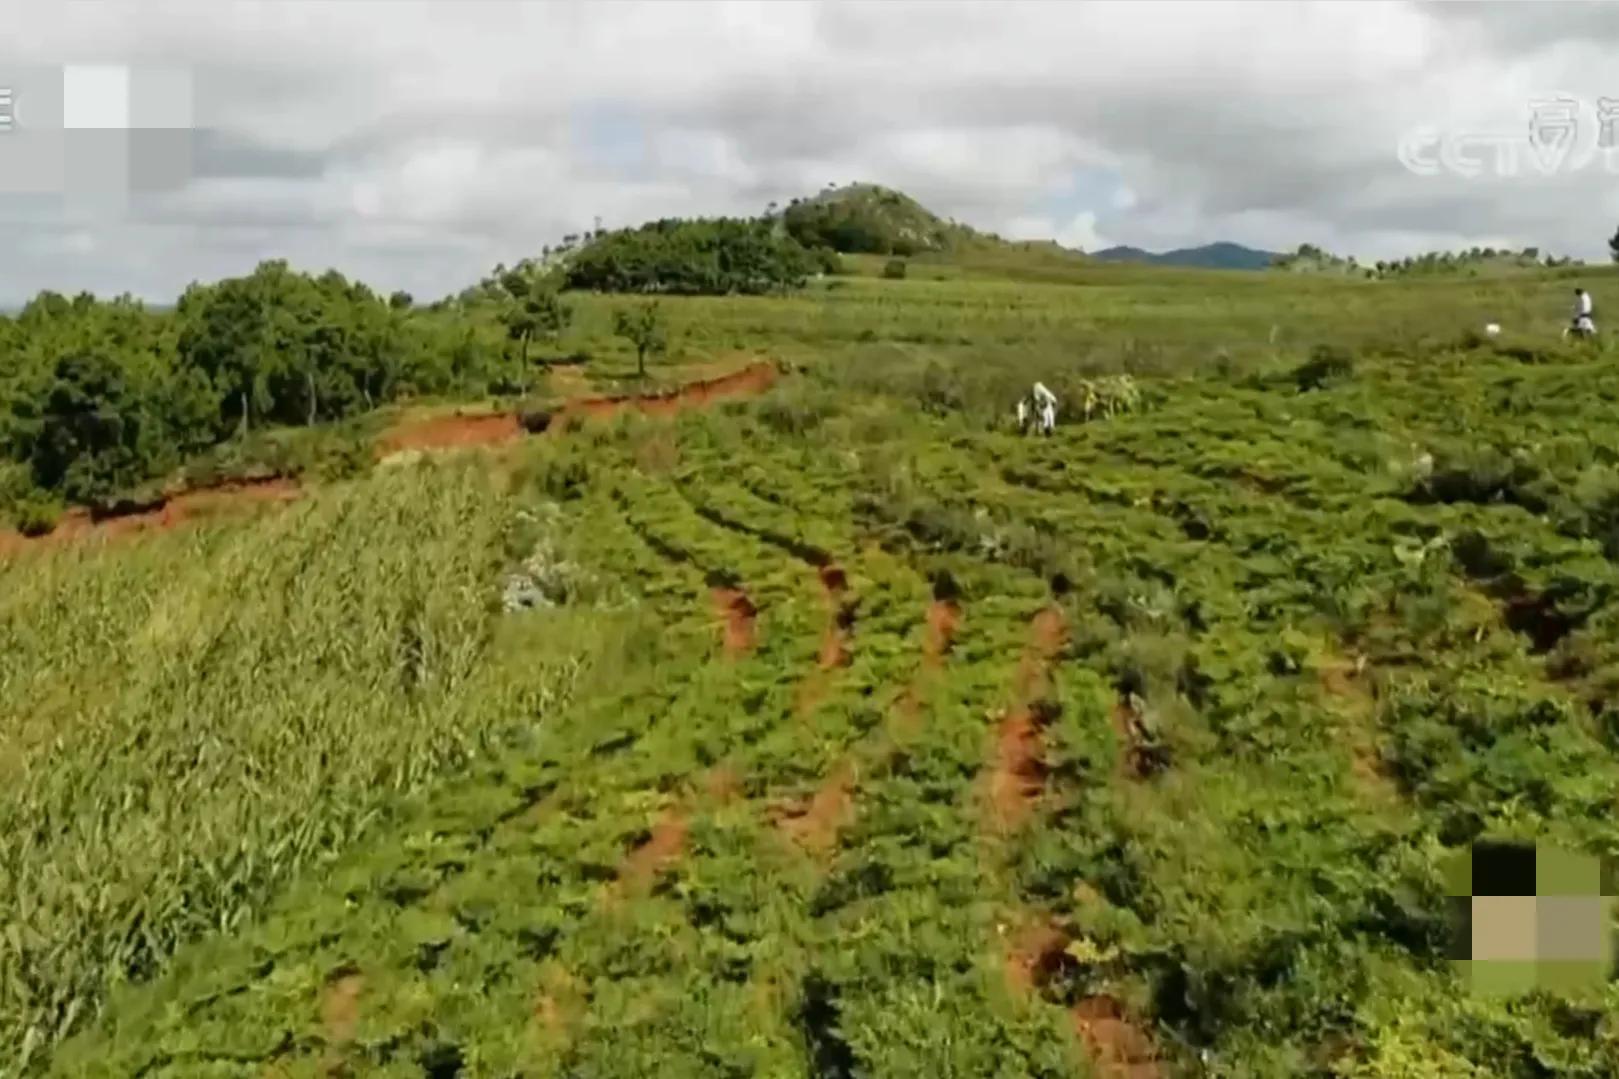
{"x": 711, "y": 257}
{"x": 400, "y": 301}
{"x": 1613, "y": 245}
{"x": 98, "y": 432}
{"x": 642, "y": 327}
{"x": 533, "y": 310}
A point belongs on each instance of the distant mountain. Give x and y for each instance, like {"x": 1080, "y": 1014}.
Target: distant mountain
{"x": 1215, "y": 256}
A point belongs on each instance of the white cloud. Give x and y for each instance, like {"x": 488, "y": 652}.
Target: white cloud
{"x": 416, "y": 144}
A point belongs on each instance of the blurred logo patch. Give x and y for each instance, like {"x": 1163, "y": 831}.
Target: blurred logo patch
{"x": 1532, "y": 916}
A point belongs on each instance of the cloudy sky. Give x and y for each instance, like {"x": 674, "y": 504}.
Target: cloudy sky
{"x": 417, "y": 144}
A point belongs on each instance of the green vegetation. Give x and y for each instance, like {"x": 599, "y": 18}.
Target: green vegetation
{"x": 869, "y": 219}
{"x": 1297, "y": 669}
{"x": 643, "y": 329}
{"x": 703, "y": 257}
{"x": 1475, "y": 262}
{"x": 841, "y": 731}
{"x": 99, "y": 399}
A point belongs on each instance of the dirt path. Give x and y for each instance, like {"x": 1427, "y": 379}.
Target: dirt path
{"x": 1117, "y": 1047}
{"x": 739, "y": 616}
{"x": 1017, "y": 769}
{"x": 835, "y": 652}
{"x": 840, "y": 618}
{"x": 79, "y": 524}
{"x": 943, "y": 620}
{"x": 1347, "y": 691}
{"x": 815, "y": 825}
{"x": 662, "y": 848}
{"x": 452, "y": 432}
{"x": 752, "y": 380}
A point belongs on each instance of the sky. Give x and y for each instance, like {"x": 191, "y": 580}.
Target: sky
{"x": 415, "y": 145}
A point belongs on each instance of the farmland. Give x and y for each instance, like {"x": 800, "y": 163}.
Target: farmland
{"x": 844, "y": 731}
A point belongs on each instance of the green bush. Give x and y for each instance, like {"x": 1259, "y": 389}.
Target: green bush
{"x": 37, "y": 515}
{"x": 693, "y": 257}
{"x": 894, "y": 269}
{"x": 1327, "y": 363}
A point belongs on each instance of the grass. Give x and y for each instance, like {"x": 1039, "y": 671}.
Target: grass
{"x": 332, "y": 807}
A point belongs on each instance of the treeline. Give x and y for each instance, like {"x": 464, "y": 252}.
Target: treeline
{"x": 1312, "y": 259}
{"x": 100, "y": 397}
{"x": 1451, "y": 262}
{"x": 713, "y": 256}
{"x": 97, "y": 397}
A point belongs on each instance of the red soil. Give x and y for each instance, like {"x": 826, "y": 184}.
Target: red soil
{"x": 664, "y": 847}
{"x": 817, "y": 824}
{"x": 1018, "y": 774}
{"x": 79, "y": 524}
{"x": 944, "y": 619}
{"x": 447, "y": 432}
{"x": 748, "y": 382}
{"x": 1048, "y": 633}
{"x": 840, "y": 616}
{"x": 1118, "y": 1048}
{"x": 722, "y": 784}
{"x": 1036, "y": 953}
{"x": 738, "y": 614}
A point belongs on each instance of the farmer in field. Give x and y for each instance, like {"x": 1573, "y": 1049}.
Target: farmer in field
{"x": 1046, "y": 401}
{"x": 1583, "y": 324}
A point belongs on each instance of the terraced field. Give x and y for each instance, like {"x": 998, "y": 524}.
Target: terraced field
{"x": 916, "y": 747}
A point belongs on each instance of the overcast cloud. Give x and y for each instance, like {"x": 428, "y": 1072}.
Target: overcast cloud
{"x": 415, "y": 145}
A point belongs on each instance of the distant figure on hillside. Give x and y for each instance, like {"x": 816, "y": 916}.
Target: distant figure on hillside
{"x": 1046, "y": 401}
{"x": 1584, "y": 325}
{"x": 1023, "y": 415}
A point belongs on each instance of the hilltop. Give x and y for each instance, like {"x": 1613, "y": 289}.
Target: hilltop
{"x": 869, "y": 219}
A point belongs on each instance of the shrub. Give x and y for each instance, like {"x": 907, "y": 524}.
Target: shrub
{"x": 37, "y": 515}
{"x": 534, "y": 420}
{"x": 894, "y": 270}
{"x": 1327, "y": 363}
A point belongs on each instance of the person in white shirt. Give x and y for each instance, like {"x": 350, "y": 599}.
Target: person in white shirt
{"x": 1046, "y": 401}
{"x": 1583, "y": 322}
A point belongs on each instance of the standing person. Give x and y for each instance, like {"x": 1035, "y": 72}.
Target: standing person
{"x": 1023, "y": 415}
{"x": 1583, "y": 320}
{"x": 1047, "y": 403}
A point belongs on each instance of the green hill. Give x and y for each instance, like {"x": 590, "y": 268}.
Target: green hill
{"x": 868, "y": 219}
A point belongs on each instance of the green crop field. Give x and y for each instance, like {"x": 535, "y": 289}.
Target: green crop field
{"x": 844, "y": 731}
